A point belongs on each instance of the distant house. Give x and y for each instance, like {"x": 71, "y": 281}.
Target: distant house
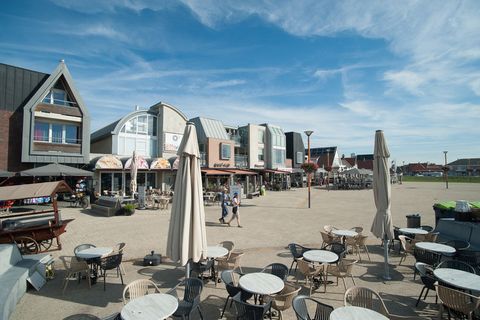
{"x": 365, "y": 161}
{"x": 44, "y": 119}
{"x": 424, "y": 169}
{"x": 326, "y": 158}
{"x": 465, "y": 167}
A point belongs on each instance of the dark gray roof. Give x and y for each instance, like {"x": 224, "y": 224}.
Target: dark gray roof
{"x": 54, "y": 170}
{"x": 465, "y": 162}
{"x": 104, "y": 132}
{"x": 18, "y": 85}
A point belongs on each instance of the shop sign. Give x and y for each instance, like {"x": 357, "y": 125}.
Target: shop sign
{"x": 221, "y": 165}
{"x": 171, "y": 141}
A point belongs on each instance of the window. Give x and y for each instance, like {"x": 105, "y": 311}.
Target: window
{"x": 279, "y": 156}
{"x": 261, "y": 136}
{"x": 225, "y": 151}
{"x": 299, "y": 157}
{"x": 56, "y": 133}
{"x": 58, "y": 97}
{"x": 139, "y": 133}
{"x": 260, "y": 154}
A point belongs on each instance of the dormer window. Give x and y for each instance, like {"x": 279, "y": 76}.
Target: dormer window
{"x": 58, "y": 97}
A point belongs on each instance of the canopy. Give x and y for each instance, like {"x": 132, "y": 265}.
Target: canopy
{"x": 160, "y": 163}
{"x": 186, "y": 234}
{"x": 141, "y": 163}
{"x": 214, "y": 172}
{"x": 5, "y": 174}
{"x": 54, "y": 170}
{"x": 108, "y": 162}
{"x": 34, "y": 190}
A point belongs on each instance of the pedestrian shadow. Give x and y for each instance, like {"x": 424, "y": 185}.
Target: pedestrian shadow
{"x": 215, "y": 224}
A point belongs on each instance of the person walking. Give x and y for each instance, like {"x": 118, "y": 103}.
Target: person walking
{"x": 235, "y": 210}
{"x": 224, "y": 204}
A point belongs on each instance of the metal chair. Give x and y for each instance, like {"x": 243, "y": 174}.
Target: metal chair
{"x": 278, "y": 269}
{"x": 322, "y": 311}
{"x": 191, "y": 297}
{"x": 82, "y": 247}
{"x": 230, "y": 278}
{"x": 297, "y": 252}
{"x": 470, "y": 257}
{"x": 428, "y": 280}
{"x": 458, "y": 301}
{"x": 249, "y": 311}
{"x": 74, "y": 266}
{"x": 428, "y": 257}
{"x": 455, "y": 264}
{"x": 283, "y": 299}
{"x": 203, "y": 266}
{"x": 365, "y": 298}
{"x": 110, "y": 262}
{"x": 459, "y": 245}
{"x": 139, "y": 288}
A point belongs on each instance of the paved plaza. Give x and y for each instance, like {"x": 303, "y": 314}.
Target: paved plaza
{"x": 270, "y": 223}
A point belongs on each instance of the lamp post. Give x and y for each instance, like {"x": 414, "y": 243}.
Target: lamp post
{"x": 445, "y": 170}
{"x": 308, "y": 133}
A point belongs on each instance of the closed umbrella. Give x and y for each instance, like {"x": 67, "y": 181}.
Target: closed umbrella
{"x": 133, "y": 173}
{"x": 382, "y": 224}
{"x": 186, "y": 234}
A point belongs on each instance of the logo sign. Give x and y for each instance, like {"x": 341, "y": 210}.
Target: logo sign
{"x": 171, "y": 141}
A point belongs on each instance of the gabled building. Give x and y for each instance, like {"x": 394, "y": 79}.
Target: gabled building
{"x": 326, "y": 158}
{"x": 364, "y": 161}
{"x": 465, "y": 167}
{"x": 44, "y": 119}
{"x": 295, "y": 156}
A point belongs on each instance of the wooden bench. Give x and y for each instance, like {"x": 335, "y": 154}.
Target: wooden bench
{"x": 253, "y": 194}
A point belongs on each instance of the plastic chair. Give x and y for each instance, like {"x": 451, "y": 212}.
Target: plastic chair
{"x": 458, "y": 244}
{"x": 74, "y": 266}
{"x": 249, "y": 311}
{"x": 407, "y": 247}
{"x": 283, "y": 300}
{"x": 342, "y": 270}
{"x": 365, "y": 298}
{"x": 230, "y": 278}
{"x": 278, "y": 269}
{"x": 109, "y": 263}
{"x": 297, "y": 252}
{"x": 191, "y": 297}
{"x": 360, "y": 242}
{"x": 428, "y": 280}
{"x": 458, "y": 301}
{"x": 322, "y": 311}
{"x": 203, "y": 266}
{"x": 119, "y": 249}
{"x": 139, "y": 288}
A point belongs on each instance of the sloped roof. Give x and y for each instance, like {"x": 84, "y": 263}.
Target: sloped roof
{"x": 466, "y": 162}
{"x": 34, "y": 190}
{"x": 103, "y": 132}
{"x": 210, "y": 128}
{"x": 365, "y": 164}
{"x": 54, "y": 170}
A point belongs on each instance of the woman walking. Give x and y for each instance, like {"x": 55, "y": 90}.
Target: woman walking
{"x": 235, "y": 210}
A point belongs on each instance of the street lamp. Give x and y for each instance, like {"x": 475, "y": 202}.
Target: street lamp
{"x": 308, "y": 133}
{"x": 445, "y": 170}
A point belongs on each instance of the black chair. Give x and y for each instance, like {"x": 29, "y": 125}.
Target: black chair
{"x": 297, "y": 252}
{"x": 338, "y": 248}
{"x": 203, "y": 266}
{"x": 427, "y": 228}
{"x": 428, "y": 280}
{"x": 322, "y": 311}
{"x": 247, "y": 311}
{"x": 459, "y": 245}
{"x": 456, "y": 264}
{"x": 396, "y": 233}
{"x": 230, "y": 278}
{"x": 109, "y": 263}
{"x": 428, "y": 257}
{"x": 278, "y": 269}
{"x": 191, "y": 297}
{"x": 470, "y": 257}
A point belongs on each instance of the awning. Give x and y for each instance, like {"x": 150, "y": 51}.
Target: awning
{"x": 241, "y": 172}
{"x": 34, "y": 190}
{"x": 214, "y": 172}
{"x": 109, "y": 162}
{"x": 141, "y": 163}
{"x": 160, "y": 163}
{"x": 275, "y": 171}
{"x": 5, "y": 174}
{"x": 55, "y": 170}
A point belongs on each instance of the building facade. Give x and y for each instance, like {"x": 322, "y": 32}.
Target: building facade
{"x": 296, "y": 156}
{"x": 44, "y": 119}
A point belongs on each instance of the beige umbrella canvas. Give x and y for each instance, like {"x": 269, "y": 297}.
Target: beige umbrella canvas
{"x": 186, "y": 234}
{"x": 382, "y": 224}
{"x": 133, "y": 173}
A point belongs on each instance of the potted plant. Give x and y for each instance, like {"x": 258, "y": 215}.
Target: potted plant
{"x": 309, "y": 167}
{"x": 129, "y": 209}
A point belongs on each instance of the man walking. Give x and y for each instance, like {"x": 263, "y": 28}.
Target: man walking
{"x": 224, "y": 204}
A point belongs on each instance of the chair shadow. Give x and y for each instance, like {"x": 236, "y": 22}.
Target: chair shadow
{"x": 405, "y": 305}
{"x": 81, "y": 316}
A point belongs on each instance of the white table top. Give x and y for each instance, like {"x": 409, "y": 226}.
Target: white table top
{"x": 436, "y": 247}
{"x": 344, "y": 233}
{"x": 216, "y": 252}
{"x": 96, "y": 252}
{"x": 355, "y": 313}
{"x": 413, "y": 230}
{"x": 261, "y": 283}
{"x": 322, "y": 256}
{"x": 152, "y": 306}
{"x": 458, "y": 278}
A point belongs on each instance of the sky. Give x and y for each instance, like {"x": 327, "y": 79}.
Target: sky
{"x": 340, "y": 68}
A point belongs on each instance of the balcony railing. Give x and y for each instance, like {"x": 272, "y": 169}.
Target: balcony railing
{"x": 203, "y": 159}
{"x": 241, "y": 161}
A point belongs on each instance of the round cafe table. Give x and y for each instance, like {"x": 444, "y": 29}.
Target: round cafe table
{"x": 458, "y": 278}
{"x": 436, "y": 247}
{"x": 94, "y": 252}
{"x": 321, "y": 256}
{"x": 216, "y": 252}
{"x": 261, "y": 283}
{"x": 355, "y": 313}
{"x": 344, "y": 233}
{"x": 413, "y": 230}
{"x": 150, "y": 307}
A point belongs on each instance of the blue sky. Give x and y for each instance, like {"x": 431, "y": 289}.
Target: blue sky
{"x": 340, "y": 68}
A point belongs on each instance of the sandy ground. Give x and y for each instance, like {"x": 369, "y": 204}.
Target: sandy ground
{"x": 269, "y": 224}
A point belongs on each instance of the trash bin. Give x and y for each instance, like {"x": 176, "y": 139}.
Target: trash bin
{"x": 413, "y": 220}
